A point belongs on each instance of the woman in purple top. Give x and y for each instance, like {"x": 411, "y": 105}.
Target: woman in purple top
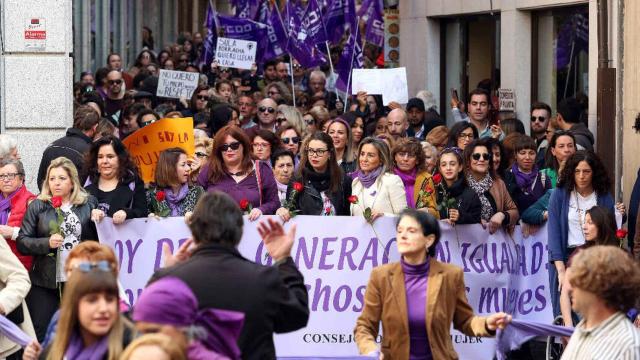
{"x": 231, "y": 170}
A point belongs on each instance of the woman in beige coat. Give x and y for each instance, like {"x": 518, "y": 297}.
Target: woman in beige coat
{"x": 14, "y": 286}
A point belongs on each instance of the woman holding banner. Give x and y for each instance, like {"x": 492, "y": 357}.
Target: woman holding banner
{"x": 417, "y": 299}
{"x": 231, "y": 170}
{"x": 113, "y": 179}
{"x": 409, "y": 165}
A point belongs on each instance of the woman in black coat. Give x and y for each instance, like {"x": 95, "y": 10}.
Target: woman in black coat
{"x": 320, "y": 186}
{"x": 456, "y": 202}
{"x": 55, "y": 222}
{"x": 113, "y": 179}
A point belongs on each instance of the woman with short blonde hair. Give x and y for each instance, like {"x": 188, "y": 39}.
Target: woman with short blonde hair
{"x": 152, "y": 346}
{"x": 78, "y": 194}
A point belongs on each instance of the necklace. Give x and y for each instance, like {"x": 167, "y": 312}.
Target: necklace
{"x": 239, "y": 173}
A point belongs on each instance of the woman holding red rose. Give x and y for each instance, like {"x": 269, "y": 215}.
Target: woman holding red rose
{"x": 409, "y": 164}
{"x": 55, "y": 222}
{"x": 456, "y": 202}
{"x": 172, "y": 194}
{"x": 320, "y": 186}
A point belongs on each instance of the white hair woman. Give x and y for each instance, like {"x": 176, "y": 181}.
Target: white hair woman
{"x": 8, "y": 147}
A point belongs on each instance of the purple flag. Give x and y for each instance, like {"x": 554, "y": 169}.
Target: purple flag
{"x": 263, "y": 13}
{"x": 244, "y": 29}
{"x": 276, "y": 34}
{"x": 312, "y": 23}
{"x": 351, "y": 58}
{"x": 247, "y": 9}
{"x": 520, "y": 331}
{"x": 374, "y": 16}
{"x": 12, "y": 332}
{"x": 299, "y": 44}
{"x": 340, "y": 16}
{"x": 364, "y": 8}
{"x": 210, "y": 40}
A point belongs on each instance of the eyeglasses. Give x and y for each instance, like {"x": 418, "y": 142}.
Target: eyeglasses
{"x": 102, "y": 265}
{"x": 270, "y": 93}
{"x": 465, "y": 136}
{"x": 297, "y": 66}
{"x": 294, "y": 140}
{"x": 233, "y": 146}
{"x": 9, "y": 176}
{"x": 201, "y": 155}
{"x": 538, "y": 118}
{"x": 225, "y": 70}
{"x": 316, "y": 152}
{"x": 406, "y": 154}
{"x": 310, "y": 121}
{"x": 270, "y": 110}
{"x": 477, "y": 156}
{"x": 115, "y": 82}
{"x": 202, "y": 97}
{"x": 260, "y": 145}
{"x": 280, "y": 120}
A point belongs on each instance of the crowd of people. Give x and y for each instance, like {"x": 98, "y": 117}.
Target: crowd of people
{"x": 280, "y": 140}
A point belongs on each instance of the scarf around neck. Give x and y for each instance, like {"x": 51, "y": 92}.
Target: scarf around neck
{"x": 319, "y": 181}
{"x": 368, "y": 179}
{"x": 173, "y": 200}
{"x": 524, "y": 181}
{"x": 77, "y": 351}
{"x": 481, "y": 187}
{"x": 5, "y": 205}
{"x": 409, "y": 181}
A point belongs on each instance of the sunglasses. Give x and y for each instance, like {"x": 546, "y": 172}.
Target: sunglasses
{"x": 280, "y": 120}
{"x": 270, "y": 110}
{"x": 294, "y": 140}
{"x": 233, "y": 146}
{"x": 225, "y": 70}
{"x": 115, "y": 82}
{"x": 201, "y": 155}
{"x": 310, "y": 121}
{"x": 202, "y": 97}
{"x": 477, "y": 156}
{"x": 538, "y": 118}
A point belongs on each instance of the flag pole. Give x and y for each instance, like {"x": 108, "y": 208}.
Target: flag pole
{"x": 293, "y": 85}
{"x": 329, "y": 55}
{"x": 353, "y": 54}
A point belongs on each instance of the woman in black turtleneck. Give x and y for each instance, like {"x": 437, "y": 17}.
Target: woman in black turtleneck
{"x": 325, "y": 188}
{"x": 456, "y": 202}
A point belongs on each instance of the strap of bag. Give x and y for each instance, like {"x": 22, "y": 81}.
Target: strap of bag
{"x": 256, "y": 164}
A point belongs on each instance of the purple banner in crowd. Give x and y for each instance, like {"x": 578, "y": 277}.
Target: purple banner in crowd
{"x": 243, "y": 29}
{"x": 312, "y": 23}
{"x": 373, "y": 16}
{"x": 351, "y": 58}
{"x": 276, "y": 33}
{"x": 339, "y": 17}
{"x": 336, "y": 255}
{"x": 299, "y": 44}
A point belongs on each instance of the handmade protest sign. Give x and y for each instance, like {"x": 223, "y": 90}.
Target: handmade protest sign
{"x": 507, "y": 100}
{"x": 336, "y": 255}
{"x": 234, "y": 53}
{"x": 390, "y": 83}
{"x": 145, "y": 144}
{"x": 176, "y": 84}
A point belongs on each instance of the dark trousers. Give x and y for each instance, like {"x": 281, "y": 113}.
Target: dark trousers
{"x": 42, "y": 303}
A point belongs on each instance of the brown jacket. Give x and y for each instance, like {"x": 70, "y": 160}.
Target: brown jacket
{"x": 385, "y": 300}
{"x": 503, "y": 201}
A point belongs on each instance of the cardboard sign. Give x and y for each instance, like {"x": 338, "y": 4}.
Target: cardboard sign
{"x": 240, "y": 54}
{"x": 177, "y": 84}
{"x": 35, "y": 34}
{"x": 145, "y": 144}
{"x": 390, "y": 83}
{"x": 507, "y": 98}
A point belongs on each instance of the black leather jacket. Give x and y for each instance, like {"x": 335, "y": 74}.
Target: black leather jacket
{"x": 33, "y": 238}
{"x": 309, "y": 201}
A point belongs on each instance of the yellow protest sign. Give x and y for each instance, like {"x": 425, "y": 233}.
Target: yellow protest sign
{"x": 145, "y": 144}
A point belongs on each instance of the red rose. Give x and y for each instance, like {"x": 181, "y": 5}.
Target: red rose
{"x": 437, "y": 178}
{"x": 244, "y": 204}
{"x": 56, "y": 202}
{"x": 298, "y": 186}
{"x": 160, "y": 196}
{"x": 429, "y": 190}
{"x": 353, "y": 199}
{"x": 328, "y": 210}
{"x": 621, "y": 233}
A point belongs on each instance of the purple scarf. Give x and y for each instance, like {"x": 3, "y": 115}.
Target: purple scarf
{"x": 5, "y": 206}
{"x": 77, "y": 351}
{"x": 523, "y": 180}
{"x": 409, "y": 181}
{"x": 173, "y": 200}
{"x": 520, "y": 331}
{"x": 157, "y": 304}
{"x": 13, "y": 332}
{"x": 368, "y": 179}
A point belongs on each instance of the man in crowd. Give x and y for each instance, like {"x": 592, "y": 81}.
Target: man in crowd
{"x": 247, "y": 108}
{"x": 113, "y": 103}
{"x": 540, "y": 115}
{"x": 114, "y": 62}
{"x": 267, "y": 109}
{"x": 282, "y": 68}
{"x": 74, "y": 144}
{"x": 478, "y": 111}
{"x": 604, "y": 283}
{"x": 397, "y": 123}
{"x": 317, "y": 83}
{"x": 420, "y": 123}
{"x": 270, "y": 74}
{"x": 569, "y": 113}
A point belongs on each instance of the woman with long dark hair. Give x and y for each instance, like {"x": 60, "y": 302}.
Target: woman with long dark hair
{"x": 462, "y": 134}
{"x": 409, "y": 164}
{"x": 456, "y": 202}
{"x": 560, "y": 149}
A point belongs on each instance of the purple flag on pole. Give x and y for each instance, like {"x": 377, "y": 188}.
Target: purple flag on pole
{"x": 263, "y": 13}
{"x": 364, "y": 9}
{"x": 244, "y": 29}
{"x": 247, "y": 9}
{"x": 276, "y": 35}
{"x": 340, "y": 16}
{"x": 299, "y": 44}
{"x": 312, "y": 23}
{"x": 351, "y": 58}
{"x": 210, "y": 40}
{"x": 375, "y": 23}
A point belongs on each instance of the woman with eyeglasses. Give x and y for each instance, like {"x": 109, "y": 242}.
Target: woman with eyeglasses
{"x": 498, "y": 209}
{"x": 282, "y": 163}
{"x": 562, "y": 146}
{"x": 375, "y": 186}
{"x": 315, "y": 119}
{"x": 279, "y": 92}
{"x": 263, "y": 143}
{"x": 230, "y": 169}
{"x": 90, "y": 325}
{"x": 326, "y": 187}
{"x": 172, "y": 193}
{"x": 199, "y": 101}
{"x": 462, "y": 134}
{"x": 340, "y": 131}
{"x": 114, "y": 180}
{"x": 409, "y": 165}
{"x": 200, "y": 156}
{"x": 583, "y": 184}
{"x": 55, "y": 222}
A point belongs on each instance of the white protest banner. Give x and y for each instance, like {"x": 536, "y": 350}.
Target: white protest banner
{"x": 507, "y": 100}
{"x": 336, "y": 254}
{"x": 390, "y": 83}
{"x": 176, "y": 84}
{"x": 240, "y": 54}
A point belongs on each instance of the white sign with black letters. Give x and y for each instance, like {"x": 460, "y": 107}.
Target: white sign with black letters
{"x": 177, "y": 84}
{"x": 240, "y": 54}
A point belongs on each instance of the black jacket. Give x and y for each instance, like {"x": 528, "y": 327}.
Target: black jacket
{"x": 73, "y": 146}
{"x": 132, "y": 201}
{"x": 466, "y": 201}
{"x": 272, "y": 298}
{"x": 309, "y": 202}
{"x": 33, "y": 238}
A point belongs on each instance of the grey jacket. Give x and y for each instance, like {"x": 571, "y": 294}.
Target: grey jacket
{"x": 33, "y": 238}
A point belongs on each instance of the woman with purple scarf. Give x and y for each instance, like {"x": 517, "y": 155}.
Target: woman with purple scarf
{"x": 525, "y": 183}
{"x": 409, "y": 164}
{"x": 172, "y": 193}
{"x": 207, "y": 334}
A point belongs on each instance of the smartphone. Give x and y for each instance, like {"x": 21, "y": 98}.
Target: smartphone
{"x": 454, "y": 94}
